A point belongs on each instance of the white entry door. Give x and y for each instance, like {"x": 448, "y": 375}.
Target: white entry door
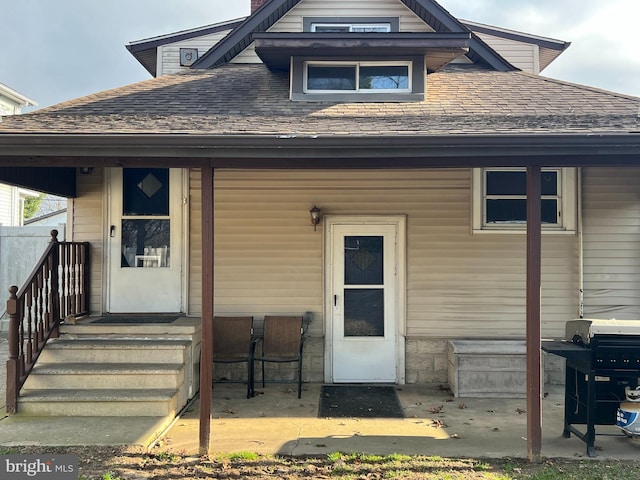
{"x": 145, "y": 240}
{"x": 365, "y": 304}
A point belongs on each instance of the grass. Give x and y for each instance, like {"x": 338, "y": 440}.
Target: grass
{"x": 110, "y": 463}
{"x": 351, "y": 466}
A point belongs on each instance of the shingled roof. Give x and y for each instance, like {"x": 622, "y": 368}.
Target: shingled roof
{"x": 251, "y": 100}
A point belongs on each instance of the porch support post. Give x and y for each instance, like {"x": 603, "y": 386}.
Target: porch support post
{"x": 206, "y": 349}
{"x": 534, "y": 342}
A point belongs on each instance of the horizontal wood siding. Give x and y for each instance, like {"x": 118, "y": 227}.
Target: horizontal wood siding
{"x": 293, "y": 20}
{"x": 269, "y": 259}
{"x": 170, "y": 53}
{"x": 87, "y": 215}
{"x": 519, "y": 54}
{"x": 611, "y": 227}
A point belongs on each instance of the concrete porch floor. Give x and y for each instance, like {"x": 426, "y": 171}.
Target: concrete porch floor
{"x": 276, "y": 422}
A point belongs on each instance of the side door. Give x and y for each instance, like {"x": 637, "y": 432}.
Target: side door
{"x": 145, "y": 241}
{"x": 365, "y": 304}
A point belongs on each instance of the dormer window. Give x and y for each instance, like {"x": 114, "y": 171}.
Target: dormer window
{"x": 351, "y": 24}
{"x": 362, "y": 77}
{"x": 351, "y": 28}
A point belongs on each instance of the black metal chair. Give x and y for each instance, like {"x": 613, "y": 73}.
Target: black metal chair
{"x": 232, "y": 343}
{"x": 282, "y": 342}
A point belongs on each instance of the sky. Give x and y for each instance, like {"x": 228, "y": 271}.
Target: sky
{"x": 56, "y": 50}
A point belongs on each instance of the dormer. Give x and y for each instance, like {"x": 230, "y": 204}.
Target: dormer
{"x": 358, "y": 59}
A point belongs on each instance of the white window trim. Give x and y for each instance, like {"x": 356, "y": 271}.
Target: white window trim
{"x": 352, "y": 25}
{"x": 357, "y": 66}
{"x": 567, "y": 202}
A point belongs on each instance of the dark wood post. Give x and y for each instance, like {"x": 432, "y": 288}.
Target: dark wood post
{"x": 206, "y": 349}
{"x": 534, "y": 341}
{"x": 13, "y": 369}
{"x": 54, "y": 302}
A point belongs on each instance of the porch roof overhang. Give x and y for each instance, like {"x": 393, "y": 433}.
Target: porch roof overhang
{"x": 276, "y": 49}
{"x": 297, "y": 151}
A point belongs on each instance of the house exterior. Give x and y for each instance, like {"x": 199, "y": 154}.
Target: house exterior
{"x": 418, "y": 136}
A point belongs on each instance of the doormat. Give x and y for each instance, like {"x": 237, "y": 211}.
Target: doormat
{"x": 360, "y": 401}
{"x": 132, "y": 319}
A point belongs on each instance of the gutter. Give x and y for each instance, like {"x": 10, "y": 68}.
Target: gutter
{"x": 313, "y": 151}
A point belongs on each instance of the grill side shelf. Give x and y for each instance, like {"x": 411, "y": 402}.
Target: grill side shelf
{"x": 576, "y": 354}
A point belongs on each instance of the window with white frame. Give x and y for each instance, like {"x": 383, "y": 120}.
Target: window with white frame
{"x": 362, "y": 77}
{"x": 353, "y": 28}
{"x": 500, "y": 199}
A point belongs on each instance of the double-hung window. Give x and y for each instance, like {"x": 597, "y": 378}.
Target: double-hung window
{"x": 361, "y": 77}
{"x": 500, "y": 199}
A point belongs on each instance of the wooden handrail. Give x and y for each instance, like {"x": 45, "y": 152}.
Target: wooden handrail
{"x": 57, "y": 288}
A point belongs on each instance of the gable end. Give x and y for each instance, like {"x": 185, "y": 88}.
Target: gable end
{"x": 267, "y": 15}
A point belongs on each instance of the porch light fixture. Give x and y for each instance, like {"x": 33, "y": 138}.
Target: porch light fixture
{"x": 86, "y": 170}
{"x": 315, "y": 217}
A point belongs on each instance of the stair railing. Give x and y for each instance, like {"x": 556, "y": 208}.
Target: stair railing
{"x": 57, "y": 288}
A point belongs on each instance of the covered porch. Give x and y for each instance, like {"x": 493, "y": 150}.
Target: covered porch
{"x": 210, "y": 155}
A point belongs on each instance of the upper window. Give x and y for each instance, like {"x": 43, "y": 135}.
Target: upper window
{"x": 500, "y": 199}
{"x": 355, "y": 27}
{"x": 363, "y": 77}
{"x": 351, "y": 24}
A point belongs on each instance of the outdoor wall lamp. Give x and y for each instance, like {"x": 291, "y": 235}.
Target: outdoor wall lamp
{"x": 315, "y": 217}
{"x": 86, "y": 170}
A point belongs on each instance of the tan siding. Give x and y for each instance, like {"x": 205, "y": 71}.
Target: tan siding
{"x": 248, "y": 55}
{"x": 171, "y": 52}
{"x": 292, "y": 21}
{"x": 611, "y": 227}
{"x": 88, "y": 220}
{"x": 269, "y": 259}
{"x": 519, "y": 54}
{"x": 195, "y": 240}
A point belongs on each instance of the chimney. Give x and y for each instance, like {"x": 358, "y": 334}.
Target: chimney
{"x": 256, "y": 4}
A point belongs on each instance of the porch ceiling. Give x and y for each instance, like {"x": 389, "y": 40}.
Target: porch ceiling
{"x": 56, "y": 181}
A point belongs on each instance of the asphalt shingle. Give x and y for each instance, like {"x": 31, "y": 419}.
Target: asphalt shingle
{"x": 249, "y": 99}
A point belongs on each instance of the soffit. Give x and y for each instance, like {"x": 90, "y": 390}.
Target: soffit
{"x": 276, "y": 49}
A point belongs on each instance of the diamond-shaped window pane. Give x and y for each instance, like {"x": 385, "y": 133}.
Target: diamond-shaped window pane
{"x": 145, "y": 191}
{"x": 150, "y": 185}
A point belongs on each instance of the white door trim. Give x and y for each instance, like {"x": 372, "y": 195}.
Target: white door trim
{"x": 182, "y": 254}
{"x": 399, "y": 221}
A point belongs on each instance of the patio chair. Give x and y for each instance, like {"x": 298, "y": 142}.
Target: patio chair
{"x": 232, "y": 343}
{"x": 282, "y": 342}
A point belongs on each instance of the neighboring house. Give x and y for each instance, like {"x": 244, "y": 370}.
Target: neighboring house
{"x": 12, "y": 204}
{"x": 12, "y": 198}
{"x": 411, "y": 131}
{"x": 52, "y": 219}
{"x": 12, "y": 102}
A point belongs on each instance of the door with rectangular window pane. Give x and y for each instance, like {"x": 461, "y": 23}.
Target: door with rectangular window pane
{"x": 364, "y": 303}
{"x": 144, "y": 238}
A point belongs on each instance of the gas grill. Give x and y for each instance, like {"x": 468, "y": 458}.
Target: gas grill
{"x": 602, "y": 359}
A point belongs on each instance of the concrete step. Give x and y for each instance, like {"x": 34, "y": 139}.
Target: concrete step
{"x": 99, "y": 402}
{"x": 118, "y": 350}
{"x": 105, "y": 376}
{"x": 182, "y": 328}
